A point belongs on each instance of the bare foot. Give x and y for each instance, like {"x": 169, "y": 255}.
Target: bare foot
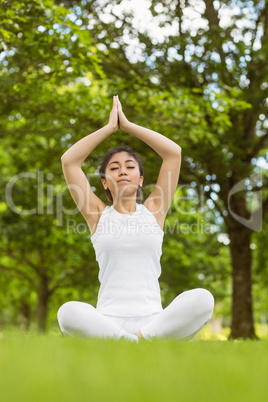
{"x": 139, "y": 334}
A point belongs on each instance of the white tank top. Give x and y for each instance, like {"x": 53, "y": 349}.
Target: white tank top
{"x": 128, "y": 249}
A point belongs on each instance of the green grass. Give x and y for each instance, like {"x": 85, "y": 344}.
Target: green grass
{"x": 55, "y": 368}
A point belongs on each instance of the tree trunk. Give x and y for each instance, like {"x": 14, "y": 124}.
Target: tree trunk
{"x": 242, "y": 313}
{"x": 42, "y": 306}
{"x": 25, "y": 312}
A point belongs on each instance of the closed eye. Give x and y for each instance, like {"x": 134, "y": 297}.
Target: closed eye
{"x": 129, "y": 167}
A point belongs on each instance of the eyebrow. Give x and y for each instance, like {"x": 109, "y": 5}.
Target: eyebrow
{"x": 129, "y": 160}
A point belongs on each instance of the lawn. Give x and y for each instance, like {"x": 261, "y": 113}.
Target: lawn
{"x": 55, "y": 368}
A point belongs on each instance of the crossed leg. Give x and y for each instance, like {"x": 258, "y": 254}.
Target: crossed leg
{"x": 183, "y": 318}
{"x": 78, "y": 318}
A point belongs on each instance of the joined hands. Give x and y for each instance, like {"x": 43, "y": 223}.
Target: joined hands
{"x": 117, "y": 117}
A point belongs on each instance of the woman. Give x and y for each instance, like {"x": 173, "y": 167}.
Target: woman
{"x": 127, "y": 238}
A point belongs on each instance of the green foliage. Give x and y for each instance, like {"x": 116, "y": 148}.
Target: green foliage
{"x": 46, "y": 59}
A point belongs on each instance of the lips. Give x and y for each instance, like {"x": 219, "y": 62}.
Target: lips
{"x": 123, "y": 180}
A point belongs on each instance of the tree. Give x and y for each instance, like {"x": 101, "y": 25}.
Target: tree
{"x": 44, "y": 56}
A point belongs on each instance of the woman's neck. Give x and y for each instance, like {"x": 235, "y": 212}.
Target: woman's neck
{"x": 125, "y": 206}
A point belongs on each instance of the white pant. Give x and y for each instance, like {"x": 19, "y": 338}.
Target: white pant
{"x": 183, "y": 318}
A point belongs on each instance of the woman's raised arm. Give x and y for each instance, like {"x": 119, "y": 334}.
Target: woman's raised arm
{"x": 160, "y": 199}
{"x": 82, "y": 148}
{"x": 89, "y": 204}
{"x": 165, "y": 147}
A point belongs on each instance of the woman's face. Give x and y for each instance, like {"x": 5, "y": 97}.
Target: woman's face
{"x": 122, "y": 176}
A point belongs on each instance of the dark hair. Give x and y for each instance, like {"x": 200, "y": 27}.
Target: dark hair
{"x": 105, "y": 162}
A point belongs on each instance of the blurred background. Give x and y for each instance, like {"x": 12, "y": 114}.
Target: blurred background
{"x": 195, "y": 71}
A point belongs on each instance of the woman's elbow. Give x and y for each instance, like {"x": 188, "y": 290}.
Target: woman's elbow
{"x": 64, "y": 157}
{"x": 177, "y": 150}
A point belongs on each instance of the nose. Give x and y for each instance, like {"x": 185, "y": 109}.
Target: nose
{"x": 122, "y": 171}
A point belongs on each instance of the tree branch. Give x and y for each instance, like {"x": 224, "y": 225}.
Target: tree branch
{"x": 265, "y": 207}
{"x": 217, "y": 205}
{"x": 59, "y": 282}
{"x": 16, "y": 271}
{"x": 10, "y": 253}
{"x": 257, "y": 62}
{"x": 258, "y": 146}
{"x": 214, "y": 24}
{"x": 32, "y": 265}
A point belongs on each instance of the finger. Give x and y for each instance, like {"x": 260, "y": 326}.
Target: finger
{"x": 114, "y": 100}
